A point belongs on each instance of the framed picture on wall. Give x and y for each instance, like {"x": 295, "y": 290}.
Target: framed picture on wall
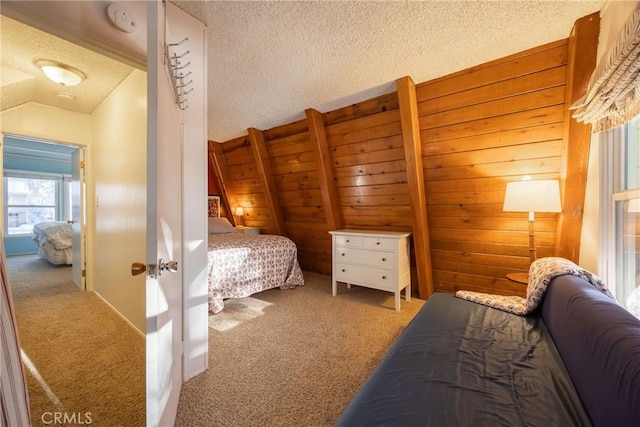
{"x": 214, "y": 206}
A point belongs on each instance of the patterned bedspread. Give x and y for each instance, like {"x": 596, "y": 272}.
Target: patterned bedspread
{"x": 240, "y": 265}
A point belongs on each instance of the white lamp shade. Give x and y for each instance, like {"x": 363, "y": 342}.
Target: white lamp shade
{"x": 532, "y": 196}
{"x": 239, "y": 211}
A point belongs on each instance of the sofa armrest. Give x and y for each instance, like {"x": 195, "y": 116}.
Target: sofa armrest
{"x": 599, "y": 342}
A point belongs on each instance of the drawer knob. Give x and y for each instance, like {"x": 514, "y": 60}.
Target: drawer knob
{"x": 343, "y": 270}
{"x": 384, "y": 259}
{"x": 342, "y": 254}
{"x": 347, "y": 240}
{"x": 377, "y": 243}
{"x": 384, "y": 277}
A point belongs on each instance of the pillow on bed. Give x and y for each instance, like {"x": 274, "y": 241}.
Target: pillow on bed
{"x": 220, "y": 226}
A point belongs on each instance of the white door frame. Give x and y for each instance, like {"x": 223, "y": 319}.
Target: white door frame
{"x": 78, "y": 216}
{"x": 195, "y": 292}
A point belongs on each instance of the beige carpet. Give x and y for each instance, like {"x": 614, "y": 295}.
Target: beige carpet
{"x": 278, "y": 358}
{"x": 82, "y": 359}
{"x": 291, "y": 358}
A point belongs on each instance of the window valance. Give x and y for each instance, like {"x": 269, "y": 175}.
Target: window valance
{"x": 613, "y": 95}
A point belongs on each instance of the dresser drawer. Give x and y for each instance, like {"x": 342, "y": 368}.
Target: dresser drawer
{"x": 348, "y": 240}
{"x": 380, "y": 243}
{"x": 380, "y": 259}
{"x": 374, "y": 277}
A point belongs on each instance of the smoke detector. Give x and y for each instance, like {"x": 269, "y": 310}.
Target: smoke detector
{"x": 65, "y": 95}
{"x": 121, "y": 18}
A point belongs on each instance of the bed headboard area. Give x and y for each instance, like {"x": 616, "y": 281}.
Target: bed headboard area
{"x": 214, "y": 207}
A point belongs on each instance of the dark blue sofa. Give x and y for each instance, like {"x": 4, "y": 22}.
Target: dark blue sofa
{"x": 574, "y": 362}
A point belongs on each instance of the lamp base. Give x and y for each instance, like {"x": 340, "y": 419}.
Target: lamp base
{"x": 532, "y": 240}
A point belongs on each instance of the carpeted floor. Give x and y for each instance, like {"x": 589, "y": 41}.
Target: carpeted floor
{"x": 81, "y": 359}
{"x": 292, "y": 358}
{"x": 278, "y": 358}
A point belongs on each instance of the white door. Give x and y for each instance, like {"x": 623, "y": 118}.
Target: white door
{"x": 175, "y": 137}
{"x": 77, "y": 217}
{"x": 164, "y": 233}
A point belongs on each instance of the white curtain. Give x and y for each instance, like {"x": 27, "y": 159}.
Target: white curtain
{"x": 613, "y": 95}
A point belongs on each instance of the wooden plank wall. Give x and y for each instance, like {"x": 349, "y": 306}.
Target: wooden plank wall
{"x": 243, "y": 183}
{"x": 369, "y": 166}
{"x": 295, "y": 171}
{"x": 479, "y": 129}
{"x": 366, "y": 148}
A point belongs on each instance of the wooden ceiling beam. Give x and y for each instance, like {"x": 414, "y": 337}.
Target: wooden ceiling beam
{"x": 261, "y": 156}
{"x": 409, "y": 120}
{"x": 583, "y": 45}
{"x": 320, "y": 147}
{"x": 222, "y": 174}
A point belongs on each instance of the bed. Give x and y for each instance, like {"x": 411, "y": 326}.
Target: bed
{"x": 240, "y": 265}
{"x": 54, "y": 242}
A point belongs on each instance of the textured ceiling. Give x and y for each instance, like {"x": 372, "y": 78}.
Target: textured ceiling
{"x": 271, "y": 60}
{"x": 23, "y": 82}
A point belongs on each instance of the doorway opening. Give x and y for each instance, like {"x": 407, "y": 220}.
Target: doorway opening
{"x": 43, "y": 197}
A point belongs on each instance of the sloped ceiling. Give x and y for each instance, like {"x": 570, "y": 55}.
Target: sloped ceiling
{"x": 22, "y": 81}
{"x": 271, "y": 60}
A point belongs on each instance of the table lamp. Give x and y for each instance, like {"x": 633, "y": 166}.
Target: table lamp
{"x": 240, "y": 214}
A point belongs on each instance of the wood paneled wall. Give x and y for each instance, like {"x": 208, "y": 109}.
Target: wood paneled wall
{"x": 470, "y": 133}
{"x": 480, "y": 129}
{"x": 364, "y": 144}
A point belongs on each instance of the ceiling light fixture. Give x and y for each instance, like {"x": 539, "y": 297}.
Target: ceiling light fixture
{"x": 62, "y": 74}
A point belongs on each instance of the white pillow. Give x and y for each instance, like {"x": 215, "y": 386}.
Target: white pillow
{"x": 220, "y": 226}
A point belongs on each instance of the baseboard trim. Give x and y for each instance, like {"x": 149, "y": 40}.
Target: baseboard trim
{"x": 119, "y": 314}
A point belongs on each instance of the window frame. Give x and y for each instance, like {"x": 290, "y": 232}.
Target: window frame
{"x": 60, "y": 202}
{"x": 615, "y": 177}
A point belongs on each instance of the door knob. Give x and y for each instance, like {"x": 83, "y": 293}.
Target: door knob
{"x": 138, "y": 268}
{"x": 170, "y": 266}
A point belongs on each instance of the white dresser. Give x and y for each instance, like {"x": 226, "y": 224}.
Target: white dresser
{"x": 374, "y": 259}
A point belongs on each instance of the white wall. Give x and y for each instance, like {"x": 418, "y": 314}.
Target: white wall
{"x": 589, "y": 240}
{"x": 116, "y": 229}
{"x": 46, "y": 122}
{"x": 119, "y": 131}
{"x": 612, "y": 20}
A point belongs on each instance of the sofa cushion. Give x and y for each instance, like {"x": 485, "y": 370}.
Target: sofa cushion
{"x": 599, "y": 342}
{"x": 461, "y": 363}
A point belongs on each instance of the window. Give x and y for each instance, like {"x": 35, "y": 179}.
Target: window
{"x": 620, "y": 183}
{"x": 30, "y": 199}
